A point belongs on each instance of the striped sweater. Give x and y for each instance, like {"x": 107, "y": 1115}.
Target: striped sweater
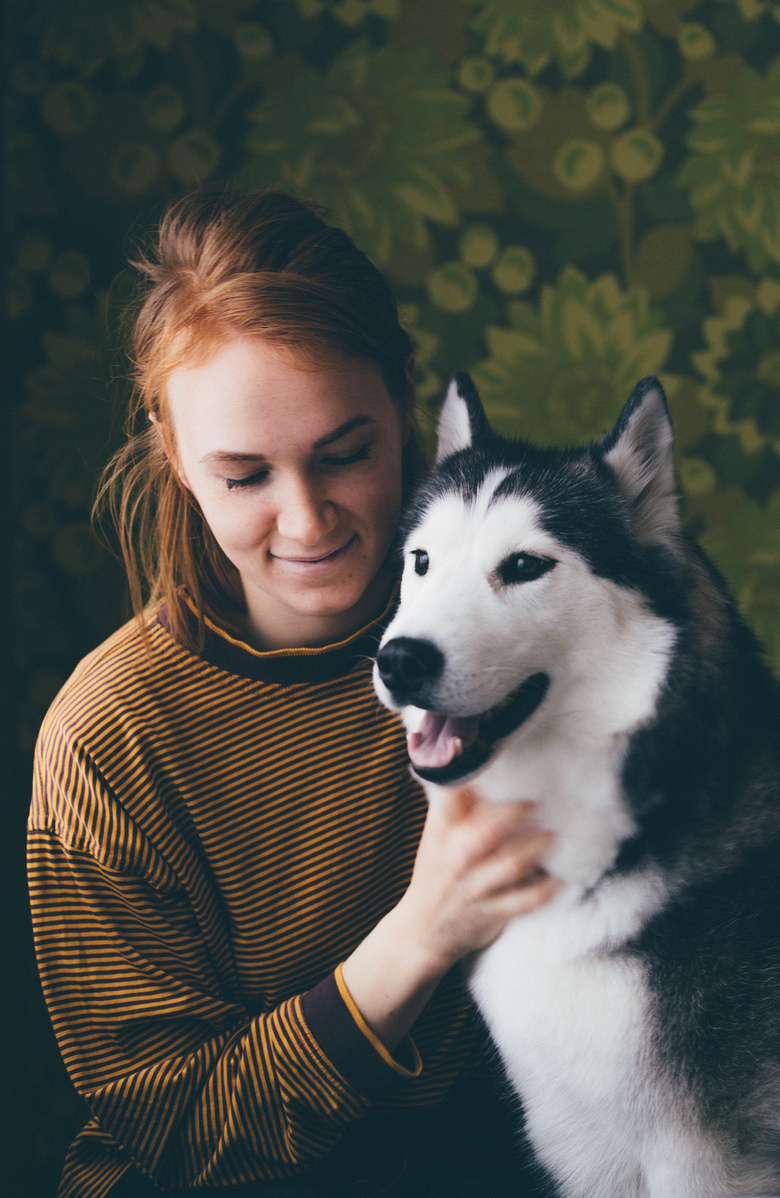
{"x": 210, "y": 836}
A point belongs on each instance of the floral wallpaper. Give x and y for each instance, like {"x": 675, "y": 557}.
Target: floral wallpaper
{"x": 564, "y": 194}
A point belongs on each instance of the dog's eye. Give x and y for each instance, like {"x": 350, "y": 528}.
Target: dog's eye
{"x": 421, "y": 561}
{"x": 524, "y": 567}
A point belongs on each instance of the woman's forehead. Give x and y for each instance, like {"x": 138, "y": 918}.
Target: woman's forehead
{"x": 249, "y": 389}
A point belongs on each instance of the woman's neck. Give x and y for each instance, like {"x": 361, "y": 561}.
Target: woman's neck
{"x": 269, "y": 625}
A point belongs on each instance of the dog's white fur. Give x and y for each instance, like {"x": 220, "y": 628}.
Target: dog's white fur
{"x": 572, "y": 1023}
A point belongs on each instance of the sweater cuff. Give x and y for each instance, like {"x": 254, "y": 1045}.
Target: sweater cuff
{"x": 349, "y": 1043}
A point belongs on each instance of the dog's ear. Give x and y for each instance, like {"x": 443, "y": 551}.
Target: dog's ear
{"x": 462, "y": 419}
{"x": 639, "y": 449}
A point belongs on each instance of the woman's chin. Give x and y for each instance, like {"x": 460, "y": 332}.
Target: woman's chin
{"x": 316, "y": 606}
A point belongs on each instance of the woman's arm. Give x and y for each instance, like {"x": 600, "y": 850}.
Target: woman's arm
{"x": 477, "y": 867}
{"x": 196, "y": 1088}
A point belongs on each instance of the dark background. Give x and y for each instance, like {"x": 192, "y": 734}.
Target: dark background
{"x": 565, "y": 195}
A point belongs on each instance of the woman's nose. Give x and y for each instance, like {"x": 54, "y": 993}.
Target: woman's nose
{"x": 305, "y": 515}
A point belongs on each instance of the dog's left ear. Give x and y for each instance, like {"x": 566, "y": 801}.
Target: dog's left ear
{"x": 462, "y": 419}
{"x": 639, "y": 449}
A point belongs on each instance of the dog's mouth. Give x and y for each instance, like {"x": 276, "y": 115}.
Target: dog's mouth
{"x": 447, "y": 748}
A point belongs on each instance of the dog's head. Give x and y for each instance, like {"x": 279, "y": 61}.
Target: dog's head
{"x": 533, "y": 579}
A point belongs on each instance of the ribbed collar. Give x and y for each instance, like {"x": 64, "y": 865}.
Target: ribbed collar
{"x": 285, "y": 666}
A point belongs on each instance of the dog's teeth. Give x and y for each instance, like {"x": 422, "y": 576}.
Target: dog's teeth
{"x": 458, "y": 746}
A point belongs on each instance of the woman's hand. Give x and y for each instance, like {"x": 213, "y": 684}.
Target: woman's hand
{"x": 478, "y": 865}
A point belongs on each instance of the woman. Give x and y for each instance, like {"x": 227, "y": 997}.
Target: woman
{"x": 239, "y": 915}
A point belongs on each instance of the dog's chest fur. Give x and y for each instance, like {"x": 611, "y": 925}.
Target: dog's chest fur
{"x": 571, "y": 1013}
{"x": 573, "y": 1021}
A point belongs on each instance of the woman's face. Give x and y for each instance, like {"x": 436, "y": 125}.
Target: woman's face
{"x": 297, "y": 470}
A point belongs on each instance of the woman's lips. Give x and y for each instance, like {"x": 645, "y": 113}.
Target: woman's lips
{"x": 309, "y": 565}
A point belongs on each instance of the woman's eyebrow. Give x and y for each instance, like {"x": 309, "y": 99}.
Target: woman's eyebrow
{"x": 343, "y": 429}
{"x": 223, "y": 456}
{"x": 227, "y": 456}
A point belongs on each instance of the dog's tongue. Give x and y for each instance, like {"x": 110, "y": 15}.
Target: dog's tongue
{"x": 440, "y": 738}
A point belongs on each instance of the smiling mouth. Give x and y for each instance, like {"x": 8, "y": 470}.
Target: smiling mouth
{"x": 311, "y": 561}
{"x": 447, "y": 748}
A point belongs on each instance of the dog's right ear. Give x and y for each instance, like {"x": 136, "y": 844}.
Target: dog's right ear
{"x": 462, "y": 418}
{"x": 639, "y": 449}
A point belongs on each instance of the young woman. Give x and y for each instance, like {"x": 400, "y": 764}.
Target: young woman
{"x": 248, "y": 932}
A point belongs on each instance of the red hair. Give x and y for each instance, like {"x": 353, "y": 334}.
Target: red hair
{"x": 224, "y": 265}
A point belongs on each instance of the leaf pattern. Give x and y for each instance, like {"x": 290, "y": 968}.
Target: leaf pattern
{"x": 733, "y": 176}
{"x": 86, "y": 34}
{"x": 538, "y": 32}
{"x": 378, "y": 140}
{"x": 560, "y": 373}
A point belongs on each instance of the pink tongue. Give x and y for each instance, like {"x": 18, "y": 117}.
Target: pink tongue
{"x": 436, "y": 743}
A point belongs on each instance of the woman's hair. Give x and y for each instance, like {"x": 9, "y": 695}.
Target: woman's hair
{"x": 224, "y": 265}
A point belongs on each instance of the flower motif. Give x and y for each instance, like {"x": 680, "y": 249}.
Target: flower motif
{"x": 741, "y": 367}
{"x": 608, "y": 106}
{"x": 562, "y": 373}
{"x": 478, "y": 245}
{"x": 734, "y": 173}
{"x": 453, "y": 287}
{"x": 514, "y": 105}
{"x": 378, "y": 140}
{"x": 579, "y": 164}
{"x": 695, "y": 41}
{"x": 747, "y": 550}
{"x": 564, "y": 153}
{"x": 636, "y": 155}
{"x": 750, "y": 9}
{"x": 515, "y": 269}
{"x": 349, "y": 12}
{"x": 88, "y": 33}
{"x": 476, "y": 74}
{"x": 537, "y": 32}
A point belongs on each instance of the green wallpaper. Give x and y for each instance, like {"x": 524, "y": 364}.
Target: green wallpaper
{"x": 565, "y": 195}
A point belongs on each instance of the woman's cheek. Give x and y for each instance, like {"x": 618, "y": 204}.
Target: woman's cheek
{"x": 235, "y": 522}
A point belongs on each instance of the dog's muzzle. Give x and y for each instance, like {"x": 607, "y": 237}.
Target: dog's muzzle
{"x": 408, "y": 668}
{"x": 449, "y": 746}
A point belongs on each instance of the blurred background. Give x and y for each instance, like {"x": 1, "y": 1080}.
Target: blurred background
{"x": 564, "y": 194}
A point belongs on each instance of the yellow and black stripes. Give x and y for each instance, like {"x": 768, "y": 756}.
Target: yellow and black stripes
{"x": 210, "y": 836}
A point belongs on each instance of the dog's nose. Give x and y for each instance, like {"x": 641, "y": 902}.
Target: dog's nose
{"x": 407, "y": 665}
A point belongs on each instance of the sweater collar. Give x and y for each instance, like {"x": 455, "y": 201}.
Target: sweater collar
{"x": 285, "y": 666}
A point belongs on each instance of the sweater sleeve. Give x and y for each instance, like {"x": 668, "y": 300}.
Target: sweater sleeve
{"x": 193, "y": 1087}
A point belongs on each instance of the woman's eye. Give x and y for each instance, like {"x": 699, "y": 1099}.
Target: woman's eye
{"x": 524, "y": 567}
{"x": 360, "y": 455}
{"x": 251, "y": 480}
{"x": 421, "y": 561}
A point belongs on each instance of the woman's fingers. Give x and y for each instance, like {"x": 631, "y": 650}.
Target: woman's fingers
{"x": 524, "y": 899}
{"x": 479, "y": 864}
{"x": 519, "y": 863}
{"x": 489, "y": 827}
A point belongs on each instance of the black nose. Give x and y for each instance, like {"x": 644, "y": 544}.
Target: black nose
{"x": 407, "y": 666}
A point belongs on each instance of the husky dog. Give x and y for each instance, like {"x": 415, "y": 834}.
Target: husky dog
{"x": 559, "y": 639}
